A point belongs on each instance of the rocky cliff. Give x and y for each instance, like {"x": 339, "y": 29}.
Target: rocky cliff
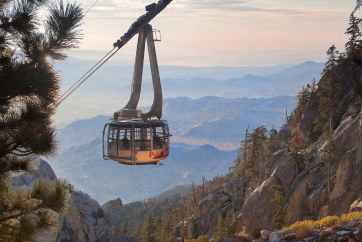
{"x": 86, "y": 221}
{"x": 306, "y": 195}
{"x": 26, "y": 179}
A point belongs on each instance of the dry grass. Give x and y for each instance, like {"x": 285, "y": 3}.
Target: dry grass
{"x": 349, "y": 217}
{"x": 329, "y": 221}
{"x": 304, "y": 231}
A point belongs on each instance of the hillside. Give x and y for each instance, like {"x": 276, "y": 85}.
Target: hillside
{"x": 304, "y": 184}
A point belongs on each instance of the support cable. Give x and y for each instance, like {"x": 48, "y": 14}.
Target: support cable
{"x": 136, "y": 27}
{"x": 71, "y": 90}
{"x": 358, "y": 5}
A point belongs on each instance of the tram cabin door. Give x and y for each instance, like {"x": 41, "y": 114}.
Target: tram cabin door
{"x": 119, "y": 142}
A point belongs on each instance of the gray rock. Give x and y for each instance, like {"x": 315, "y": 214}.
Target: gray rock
{"x": 343, "y": 232}
{"x": 356, "y": 206}
{"x": 27, "y": 179}
{"x": 82, "y": 220}
{"x": 265, "y": 233}
{"x": 309, "y": 239}
{"x": 113, "y": 203}
{"x": 349, "y": 225}
{"x": 275, "y": 235}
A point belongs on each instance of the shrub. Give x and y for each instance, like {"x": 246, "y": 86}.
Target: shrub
{"x": 304, "y": 231}
{"x": 203, "y": 238}
{"x": 328, "y": 221}
{"x": 349, "y": 217}
{"x": 303, "y": 224}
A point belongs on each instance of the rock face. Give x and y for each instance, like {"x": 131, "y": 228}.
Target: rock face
{"x": 87, "y": 221}
{"x": 224, "y": 202}
{"x": 305, "y": 188}
{"x": 113, "y": 203}
{"x": 26, "y": 179}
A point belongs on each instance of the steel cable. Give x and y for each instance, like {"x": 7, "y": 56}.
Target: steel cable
{"x": 64, "y": 96}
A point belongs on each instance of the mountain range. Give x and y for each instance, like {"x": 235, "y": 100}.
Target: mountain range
{"x": 108, "y": 89}
{"x": 105, "y": 180}
{"x": 211, "y": 120}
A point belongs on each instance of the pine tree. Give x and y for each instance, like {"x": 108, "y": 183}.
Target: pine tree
{"x": 353, "y": 46}
{"x": 329, "y": 95}
{"x": 295, "y": 146}
{"x": 192, "y": 200}
{"x": 220, "y": 230}
{"x": 257, "y": 154}
{"x": 272, "y": 141}
{"x": 241, "y": 160}
{"x": 203, "y": 238}
{"x": 139, "y": 227}
{"x": 278, "y": 220}
{"x": 29, "y": 86}
{"x": 228, "y": 223}
{"x": 126, "y": 225}
{"x": 149, "y": 228}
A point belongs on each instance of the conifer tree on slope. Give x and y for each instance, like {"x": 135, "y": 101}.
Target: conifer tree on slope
{"x": 149, "y": 228}
{"x": 28, "y": 87}
{"x": 353, "y": 46}
{"x": 354, "y": 51}
{"x": 329, "y": 95}
{"x": 256, "y": 150}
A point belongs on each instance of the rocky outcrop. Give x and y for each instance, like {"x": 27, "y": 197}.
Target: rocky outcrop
{"x": 87, "y": 221}
{"x": 258, "y": 211}
{"x": 224, "y": 202}
{"x": 116, "y": 203}
{"x": 26, "y": 179}
{"x": 305, "y": 190}
{"x": 114, "y": 210}
{"x": 283, "y": 136}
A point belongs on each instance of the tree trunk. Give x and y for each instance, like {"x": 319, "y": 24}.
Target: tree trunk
{"x": 182, "y": 228}
{"x": 245, "y": 161}
{"x": 149, "y": 228}
{"x": 330, "y": 150}
{"x": 252, "y": 183}
{"x": 242, "y": 180}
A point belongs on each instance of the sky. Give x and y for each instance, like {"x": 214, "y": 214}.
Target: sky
{"x": 221, "y": 32}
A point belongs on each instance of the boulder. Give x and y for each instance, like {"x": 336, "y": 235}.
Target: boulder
{"x": 356, "y": 206}
{"x": 275, "y": 235}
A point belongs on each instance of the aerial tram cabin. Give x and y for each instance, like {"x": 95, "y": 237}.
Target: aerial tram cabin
{"x": 134, "y": 138}
{"x": 135, "y": 142}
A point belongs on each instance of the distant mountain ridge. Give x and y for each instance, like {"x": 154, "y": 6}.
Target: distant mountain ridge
{"x": 105, "y": 180}
{"x": 207, "y": 120}
{"x": 109, "y": 90}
